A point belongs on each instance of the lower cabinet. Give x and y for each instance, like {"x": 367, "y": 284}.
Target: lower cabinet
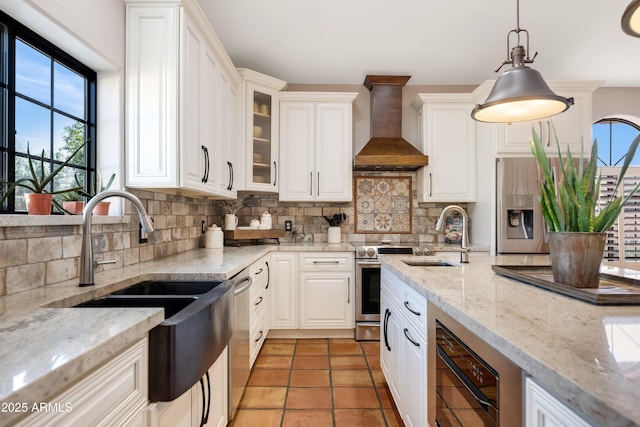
{"x": 259, "y": 309}
{"x": 403, "y": 347}
{"x": 114, "y": 394}
{"x": 284, "y": 295}
{"x": 544, "y": 410}
{"x": 196, "y": 408}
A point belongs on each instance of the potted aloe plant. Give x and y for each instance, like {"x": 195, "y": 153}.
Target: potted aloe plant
{"x": 72, "y": 202}
{"x": 40, "y": 199}
{"x": 577, "y": 230}
{"x": 98, "y": 186}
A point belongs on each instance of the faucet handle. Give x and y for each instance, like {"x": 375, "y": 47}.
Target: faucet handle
{"x": 106, "y": 261}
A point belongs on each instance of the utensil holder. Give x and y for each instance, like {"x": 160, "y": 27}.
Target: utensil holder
{"x": 333, "y": 235}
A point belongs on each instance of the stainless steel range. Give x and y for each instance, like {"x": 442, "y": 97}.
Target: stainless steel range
{"x": 368, "y": 286}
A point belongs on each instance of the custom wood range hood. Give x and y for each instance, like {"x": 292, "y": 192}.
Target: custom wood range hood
{"x": 387, "y": 150}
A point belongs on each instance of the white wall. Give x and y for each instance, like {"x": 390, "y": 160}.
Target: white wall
{"x": 92, "y": 31}
{"x": 617, "y": 101}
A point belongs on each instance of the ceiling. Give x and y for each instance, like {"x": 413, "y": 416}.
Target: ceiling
{"x": 436, "y": 42}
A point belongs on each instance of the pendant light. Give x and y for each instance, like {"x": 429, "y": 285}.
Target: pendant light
{"x": 520, "y": 93}
{"x": 631, "y": 19}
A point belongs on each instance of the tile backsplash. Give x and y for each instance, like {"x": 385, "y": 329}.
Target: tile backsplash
{"x": 36, "y": 256}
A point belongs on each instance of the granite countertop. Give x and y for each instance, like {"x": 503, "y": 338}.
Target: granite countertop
{"x": 586, "y": 355}
{"x": 46, "y": 345}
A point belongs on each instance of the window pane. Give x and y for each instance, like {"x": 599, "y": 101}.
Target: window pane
{"x": 622, "y": 135}
{"x": 33, "y": 127}
{"x": 68, "y": 134}
{"x": 68, "y": 91}
{"x": 601, "y": 133}
{"x": 22, "y": 171}
{"x": 33, "y": 73}
{"x": 66, "y": 179}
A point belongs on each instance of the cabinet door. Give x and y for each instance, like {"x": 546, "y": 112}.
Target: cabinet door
{"x": 283, "y": 286}
{"x": 176, "y": 413}
{"x": 390, "y": 344}
{"x": 229, "y": 164}
{"x": 211, "y": 141}
{"x": 333, "y": 152}
{"x": 297, "y": 178}
{"x": 218, "y": 403}
{"x": 414, "y": 378}
{"x": 326, "y": 300}
{"x": 448, "y": 138}
{"x": 544, "y": 410}
{"x": 262, "y": 131}
{"x": 192, "y": 148}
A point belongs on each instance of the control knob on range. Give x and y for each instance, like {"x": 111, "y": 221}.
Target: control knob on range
{"x": 362, "y": 252}
{"x": 371, "y": 252}
{"x": 417, "y": 251}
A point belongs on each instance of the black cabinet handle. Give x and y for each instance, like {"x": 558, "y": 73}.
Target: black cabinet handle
{"x": 206, "y": 400}
{"x": 259, "y": 301}
{"x": 406, "y": 334}
{"x": 205, "y": 174}
{"x": 387, "y": 314}
{"x": 259, "y": 337}
{"x": 268, "y": 275}
{"x": 229, "y": 168}
{"x": 232, "y": 177}
{"x": 275, "y": 173}
{"x": 406, "y": 304}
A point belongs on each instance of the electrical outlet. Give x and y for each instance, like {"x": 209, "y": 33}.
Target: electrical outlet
{"x": 287, "y": 225}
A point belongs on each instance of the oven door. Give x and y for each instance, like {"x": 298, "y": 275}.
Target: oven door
{"x": 367, "y": 290}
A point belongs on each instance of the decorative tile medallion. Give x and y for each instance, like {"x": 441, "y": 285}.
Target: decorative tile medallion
{"x": 383, "y": 204}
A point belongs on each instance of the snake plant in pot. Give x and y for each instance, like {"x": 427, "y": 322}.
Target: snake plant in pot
{"x": 575, "y": 214}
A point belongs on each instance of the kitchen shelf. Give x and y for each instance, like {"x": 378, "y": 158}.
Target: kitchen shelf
{"x": 261, "y": 165}
{"x": 266, "y": 116}
{"x": 265, "y": 140}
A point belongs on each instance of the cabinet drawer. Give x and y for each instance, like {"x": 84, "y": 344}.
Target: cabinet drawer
{"x": 258, "y": 301}
{"x": 260, "y": 274}
{"x": 326, "y": 261}
{"x": 414, "y": 308}
{"x": 257, "y": 334}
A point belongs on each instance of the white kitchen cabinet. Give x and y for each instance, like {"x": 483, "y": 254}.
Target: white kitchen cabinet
{"x": 114, "y": 394}
{"x": 261, "y": 94}
{"x": 283, "y": 270}
{"x": 316, "y": 146}
{"x": 544, "y": 410}
{"x": 447, "y": 134}
{"x": 572, "y": 126}
{"x": 189, "y": 409}
{"x": 178, "y": 120}
{"x": 260, "y": 294}
{"x": 327, "y": 291}
{"x": 231, "y": 168}
{"x": 403, "y": 347}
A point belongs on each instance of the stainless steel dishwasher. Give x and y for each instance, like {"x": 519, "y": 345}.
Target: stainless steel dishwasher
{"x": 239, "y": 343}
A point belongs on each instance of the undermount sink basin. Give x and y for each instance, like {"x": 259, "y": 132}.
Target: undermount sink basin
{"x": 430, "y": 263}
{"x": 196, "y": 329}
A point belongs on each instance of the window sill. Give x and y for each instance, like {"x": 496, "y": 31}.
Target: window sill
{"x": 40, "y": 220}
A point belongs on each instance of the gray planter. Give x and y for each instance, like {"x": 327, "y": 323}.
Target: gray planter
{"x": 576, "y": 258}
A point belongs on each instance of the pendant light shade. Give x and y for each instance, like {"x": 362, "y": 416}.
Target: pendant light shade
{"x": 631, "y": 19}
{"x": 520, "y": 93}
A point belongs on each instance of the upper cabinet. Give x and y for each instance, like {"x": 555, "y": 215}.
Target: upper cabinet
{"x": 573, "y": 126}
{"x": 261, "y": 130}
{"x": 448, "y": 136}
{"x": 316, "y": 146}
{"x": 181, "y": 99}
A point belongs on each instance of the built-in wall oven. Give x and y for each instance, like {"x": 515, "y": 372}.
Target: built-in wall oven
{"x": 368, "y": 287}
{"x": 471, "y": 384}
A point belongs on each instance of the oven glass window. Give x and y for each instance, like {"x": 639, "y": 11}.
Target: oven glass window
{"x": 371, "y": 291}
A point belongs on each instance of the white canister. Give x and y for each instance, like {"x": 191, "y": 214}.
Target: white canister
{"x": 214, "y": 238}
{"x": 230, "y": 222}
{"x": 265, "y": 221}
{"x": 333, "y": 235}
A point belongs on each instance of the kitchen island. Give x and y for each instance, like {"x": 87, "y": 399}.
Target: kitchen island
{"x": 575, "y": 349}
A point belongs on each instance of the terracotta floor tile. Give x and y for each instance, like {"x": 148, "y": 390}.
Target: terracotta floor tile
{"x": 344, "y": 348}
{"x": 310, "y": 378}
{"x": 311, "y": 362}
{"x": 355, "y": 397}
{"x": 257, "y": 417}
{"x": 378, "y": 377}
{"x": 307, "y": 418}
{"x": 394, "y": 419}
{"x": 281, "y": 340}
{"x": 312, "y": 349}
{"x": 313, "y": 341}
{"x": 263, "y": 397}
{"x": 386, "y": 399}
{"x": 343, "y": 340}
{"x": 373, "y": 361}
{"x": 371, "y": 347}
{"x": 273, "y": 362}
{"x": 359, "y": 418}
{"x": 309, "y": 398}
{"x": 351, "y": 377}
{"x": 269, "y": 377}
{"x": 348, "y": 362}
{"x": 273, "y": 349}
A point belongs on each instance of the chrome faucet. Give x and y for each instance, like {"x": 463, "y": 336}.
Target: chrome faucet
{"x": 464, "y": 253}
{"x": 86, "y": 254}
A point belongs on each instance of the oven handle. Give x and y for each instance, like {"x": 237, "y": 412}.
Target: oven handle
{"x": 466, "y": 382}
{"x": 369, "y": 264}
{"x": 387, "y": 314}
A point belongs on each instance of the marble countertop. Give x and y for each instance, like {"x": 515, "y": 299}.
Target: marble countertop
{"x": 45, "y": 345}
{"x": 586, "y": 355}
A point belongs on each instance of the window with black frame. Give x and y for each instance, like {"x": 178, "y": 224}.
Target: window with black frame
{"x": 48, "y": 110}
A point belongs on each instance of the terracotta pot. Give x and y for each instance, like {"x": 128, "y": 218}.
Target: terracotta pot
{"x": 38, "y": 203}
{"x": 73, "y": 207}
{"x": 102, "y": 208}
{"x": 576, "y": 258}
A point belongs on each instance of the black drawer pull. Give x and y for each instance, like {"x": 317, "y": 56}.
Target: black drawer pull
{"x": 406, "y": 334}
{"x": 406, "y": 304}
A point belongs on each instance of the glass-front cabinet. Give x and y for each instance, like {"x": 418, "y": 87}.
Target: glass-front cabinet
{"x": 262, "y": 146}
